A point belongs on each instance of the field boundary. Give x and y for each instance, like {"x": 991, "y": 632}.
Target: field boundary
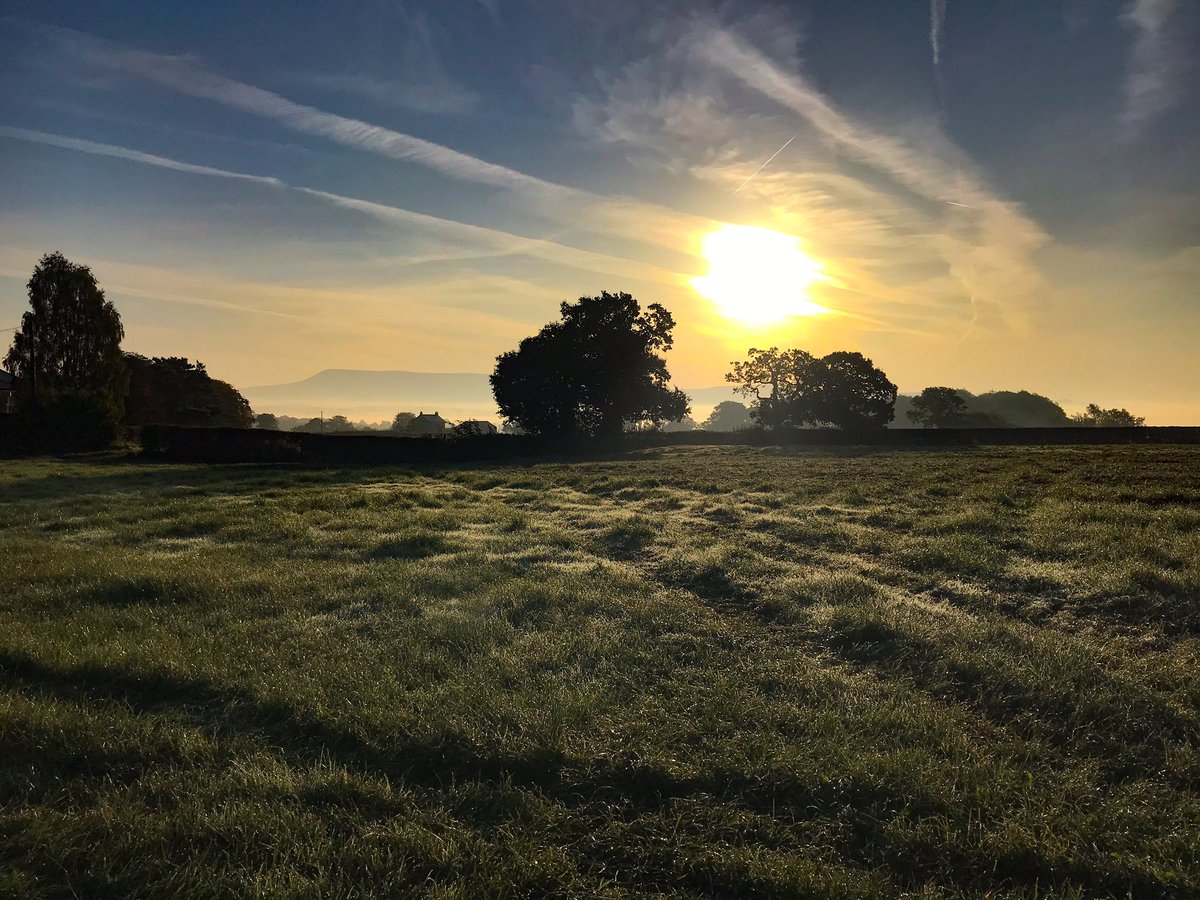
{"x": 234, "y": 445}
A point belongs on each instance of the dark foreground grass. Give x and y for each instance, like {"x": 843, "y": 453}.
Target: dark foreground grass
{"x": 700, "y": 672}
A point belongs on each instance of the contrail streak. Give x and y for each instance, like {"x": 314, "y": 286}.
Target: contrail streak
{"x": 767, "y": 163}
{"x": 937, "y": 25}
{"x": 937, "y": 29}
{"x": 70, "y": 143}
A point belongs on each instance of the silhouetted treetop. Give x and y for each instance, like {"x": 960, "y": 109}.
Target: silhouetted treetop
{"x": 782, "y": 383}
{"x": 728, "y": 415}
{"x": 938, "y": 407}
{"x": 1019, "y": 409}
{"x": 850, "y": 392}
{"x": 1095, "y": 417}
{"x": 792, "y": 389}
{"x": 70, "y": 337}
{"x": 173, "y": 390}
{"x": 66, "y": 357}
{"x": 594, "y": 371}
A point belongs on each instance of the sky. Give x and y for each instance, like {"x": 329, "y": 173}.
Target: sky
{"x": 988, "y": 195}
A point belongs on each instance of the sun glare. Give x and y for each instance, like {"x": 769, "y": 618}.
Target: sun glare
{"x": 757, "y": 276}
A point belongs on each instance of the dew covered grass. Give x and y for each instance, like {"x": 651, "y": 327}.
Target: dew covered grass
{"x": 690, "y": 672}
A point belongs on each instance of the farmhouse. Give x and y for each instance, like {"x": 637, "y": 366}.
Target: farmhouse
{"x": 428, "y": 423}
{"x": 8, "y": 393}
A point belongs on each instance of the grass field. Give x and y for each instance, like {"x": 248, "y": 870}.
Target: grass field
{"x": 690, "y": 672}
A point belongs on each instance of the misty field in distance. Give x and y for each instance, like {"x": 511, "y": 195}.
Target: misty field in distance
{"x": 694, "y": 672}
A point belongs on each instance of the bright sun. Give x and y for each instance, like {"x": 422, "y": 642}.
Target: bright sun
{"x": 757, "y": 276}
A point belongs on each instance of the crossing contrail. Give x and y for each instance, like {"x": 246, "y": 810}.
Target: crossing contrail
{"x": 767, "y": 163}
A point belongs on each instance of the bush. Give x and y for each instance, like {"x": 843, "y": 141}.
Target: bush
{"x": 70, "y": 421}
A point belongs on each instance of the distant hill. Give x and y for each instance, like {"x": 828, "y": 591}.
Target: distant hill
{"x": 334, "y": 385}
{"x": 361, "y": 394}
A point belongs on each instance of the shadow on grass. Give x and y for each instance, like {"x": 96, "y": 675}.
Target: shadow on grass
{"x": 146, "y": 589}
{"x": 867, "y": 806}
{"x": 304, "y": 739}
{"x": 1127, "y": 743}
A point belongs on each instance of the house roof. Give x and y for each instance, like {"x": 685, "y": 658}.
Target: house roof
{"x": 6, "y": 380}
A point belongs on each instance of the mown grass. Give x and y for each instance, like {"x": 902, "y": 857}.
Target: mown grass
{"x": 693, "y": 672}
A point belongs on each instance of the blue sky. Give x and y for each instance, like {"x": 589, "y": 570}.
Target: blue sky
{"x": 1000, "y": 195}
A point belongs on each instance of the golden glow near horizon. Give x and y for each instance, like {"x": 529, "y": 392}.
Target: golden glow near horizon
{"x": 757, "y": 276}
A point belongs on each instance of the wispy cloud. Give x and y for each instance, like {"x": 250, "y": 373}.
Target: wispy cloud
{"x": 144, "y": 283}
{"x": 112, "y": 150}
{"x": 905, "y": 228}
{"x": 184, "y": 75}
{"x": 996, "y": 260}
{"x": 414, "y": 77}
{"x": 1156, "y": 64}
{"x": 425, "y": 97}
{"x": 506, "y": 243}
{"x": 624, "y": 216}
{"x": 497, "y": 242}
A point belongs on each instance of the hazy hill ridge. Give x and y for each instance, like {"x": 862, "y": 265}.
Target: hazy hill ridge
{"x": 361, "y": 385}
{"x": 376, "y": 394}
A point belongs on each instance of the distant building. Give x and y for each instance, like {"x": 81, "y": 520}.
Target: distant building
{"x": 8, "y": 393}
{"x": 475, "y": 426}
{"x": 428, "y": 423}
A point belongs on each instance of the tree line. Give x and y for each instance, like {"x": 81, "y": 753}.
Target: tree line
{"x": 75, "y": 385}
{"x": 599, "y": 370}
{"x": 406, "y": 424}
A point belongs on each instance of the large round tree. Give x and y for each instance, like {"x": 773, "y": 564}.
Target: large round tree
{"x": 594, "y": 371}
{"x": 851, "y": 392}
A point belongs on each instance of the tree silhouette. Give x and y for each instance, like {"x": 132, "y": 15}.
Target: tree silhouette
{"x": 851, "y": 392}
{"x": 592, "y": 372}
{"x": 1017, "y": 409}
{"x": 1095, "y": 417}
{"x": 938, "y": 407}
{"x": 173, "y": 390}
{"x": 793, "y": 389}
{"x": 332, "y": 425}
{"x": 469, "y": 428}
{"x": 69, "y": 339}
{"x": 312, "y": 426}
{"x": 266, "y": 422}
{"x": 782, "y": 384}
{"x": 687, "y": 423}
{"x": 728, "y": 415}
